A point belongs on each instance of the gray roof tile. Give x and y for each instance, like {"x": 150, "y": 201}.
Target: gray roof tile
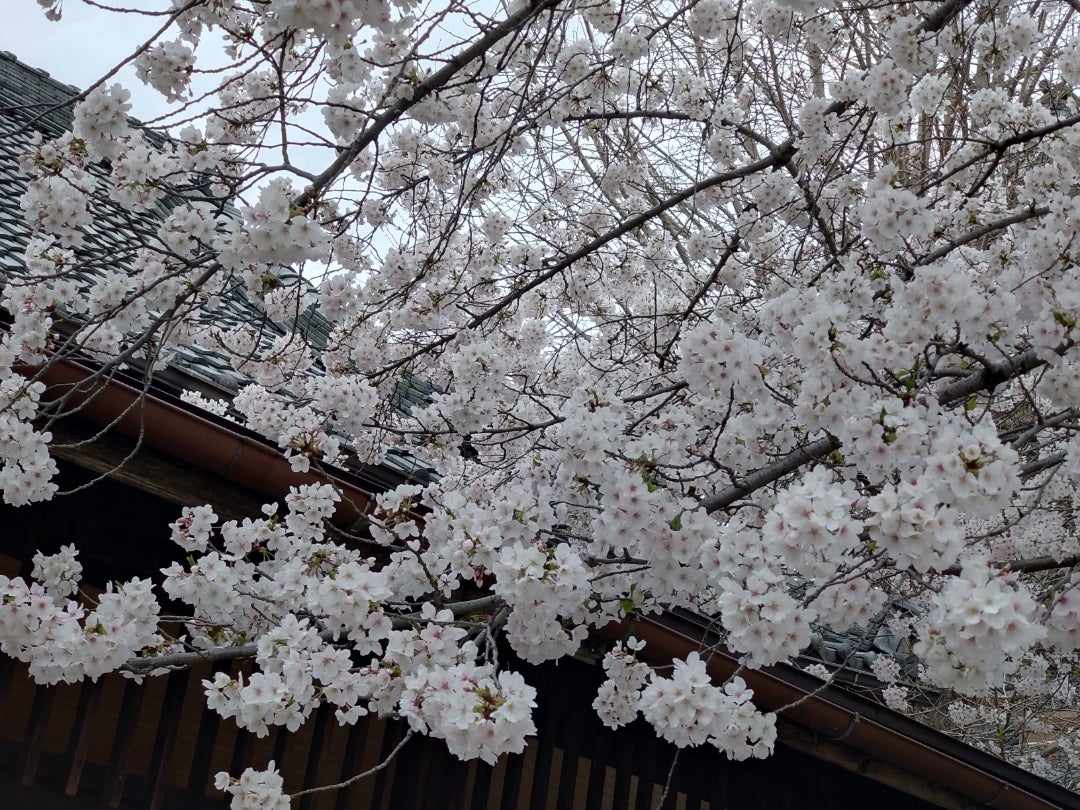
{"x": 32, "y": 102}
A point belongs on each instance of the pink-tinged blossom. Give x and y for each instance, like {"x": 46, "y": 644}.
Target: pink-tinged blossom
{"x": 101, "y": 120}
{"x": 980, "y": 626}
{"x": 688, "y": 710}
{"x": 167, "y": 67}
{"x": 255, "y": 790}
{"x": 479, "y": 713}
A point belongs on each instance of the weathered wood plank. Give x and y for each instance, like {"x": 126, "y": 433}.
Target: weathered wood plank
{"x": 124, "y": 741}
{"x": 166, "y": 736}
{"x": 39, "y": 718}
{"x": 84, "y": 731}
{"x": 315, "y": 755}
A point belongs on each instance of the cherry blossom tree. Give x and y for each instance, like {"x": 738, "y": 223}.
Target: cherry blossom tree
{"x": 764, "y": 310}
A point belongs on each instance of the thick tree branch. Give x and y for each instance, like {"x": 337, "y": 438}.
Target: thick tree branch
{"x": 1032, "y": 565}
{"x": 484, "y": 605}
{"x": 770, "y": 473}
{"x": 185, "y": 660}
{"x": 944, "y": 14}
{"x": 989, "y": 228}
{"x": 779, "y": 157}
{"x": 440, "y": 78}
{"x": 985, "y": 379}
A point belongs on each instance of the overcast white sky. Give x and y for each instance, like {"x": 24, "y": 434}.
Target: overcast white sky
{"x": 81, "y": 47}
{"x": 87, "y": 42}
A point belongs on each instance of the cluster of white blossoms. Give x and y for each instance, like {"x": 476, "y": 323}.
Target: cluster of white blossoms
{"x": 980, "y": 626}
{"x": 300, "y": 431}
{"x": 58, "y": 573}
{"x": 687, "y": 708}
{"x": 255, "y": 789}
{"x": 896, "y": 697}
{"x": 718, "y": 361}
{"x": 763, "y": 620}
{"x": 56, "y": 200}
{"x": 676, "y": 331}
{"x": 885, "y": 668}
{"x": 272, "y": 231}
{"x": 888, "y": 670}
{"x": 479, "y": 713}
{"x": 973, "y": 470}
{"x": 337, "y": 20}
{"x": 26, "y": 468}
{"x": 616, "y": 701}
{"x": 947, "y": 472}
{"x": 1063, "y": 617}
{"x": 167, "y": 67}
{"x": 914, "y": 527}
{"x": 811, "y": 528}
{"x": 544, "y": 587}
{"x": 101, "y": 121}
{"x": 427, "y": 674}
{"x": 140, "y": 173}
{"x": 193, "y": 529}
{"x": 297, "y": 671}
{"x": 60, "y": 639}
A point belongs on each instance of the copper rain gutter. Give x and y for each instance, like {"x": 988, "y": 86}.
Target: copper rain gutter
{"x": 243, "y": 460}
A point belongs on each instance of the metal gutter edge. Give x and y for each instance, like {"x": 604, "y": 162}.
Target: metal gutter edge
{"x": 248, "y": 462}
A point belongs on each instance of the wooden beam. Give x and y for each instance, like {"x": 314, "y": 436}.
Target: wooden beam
{"x": 123, "y": 742}
{"x": 175, "y": 689}
{"x": 39, "y": 719}
{"x": 149, "y": 470}
{"x": 850, "y": 759}
{"x": 83, "y": 731}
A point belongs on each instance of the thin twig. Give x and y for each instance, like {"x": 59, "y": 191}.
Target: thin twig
{"x": 369, "y": 772}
